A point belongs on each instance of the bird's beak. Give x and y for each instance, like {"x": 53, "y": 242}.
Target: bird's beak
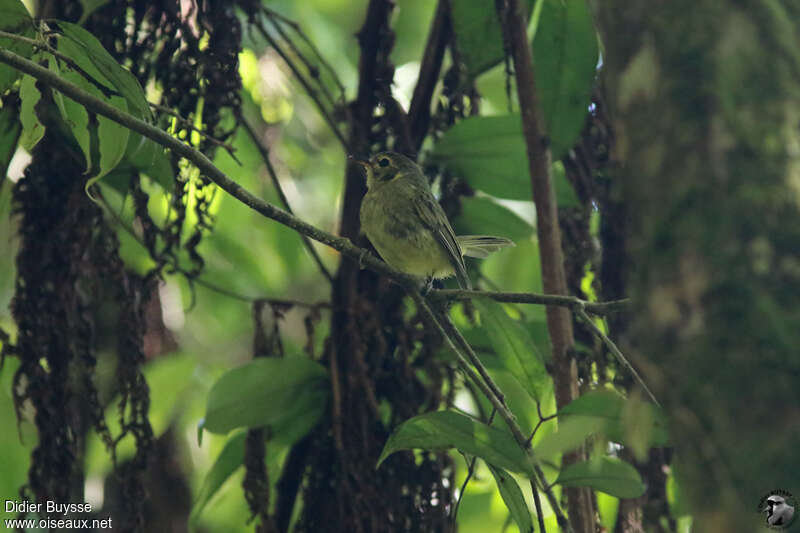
{"x": 363, "y": 164}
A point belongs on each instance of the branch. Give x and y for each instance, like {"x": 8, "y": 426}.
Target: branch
{"x": 487, "y": 389}
{"x": 312, "y": 93}
{"x": 571, "y": 302}
{"x": 205, "y": 165}
{"x": 559, "y": 321}
{"x": 419, "y": 112}
{"x": 262, "y": 150}
{"x": 617, "y": 353}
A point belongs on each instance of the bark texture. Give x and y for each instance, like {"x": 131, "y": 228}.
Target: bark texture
{"x": 704, "y": 100}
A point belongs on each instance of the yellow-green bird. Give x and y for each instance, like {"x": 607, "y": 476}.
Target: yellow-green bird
{"x": 408, "y": 227}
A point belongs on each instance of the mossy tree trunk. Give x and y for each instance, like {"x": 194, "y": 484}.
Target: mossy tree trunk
{"x": 705, "y": 99}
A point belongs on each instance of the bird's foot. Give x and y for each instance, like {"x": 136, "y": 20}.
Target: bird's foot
{"x": 428, "y": 286}
{"x": 361, "y": 259}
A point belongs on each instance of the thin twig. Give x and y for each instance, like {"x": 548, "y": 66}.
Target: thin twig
{"x": 264, "y": 152}
{"x": 572, "y": 302}
{"x": 542, "y": 420}
{"x": 188, "y": 124}
{"x": 313, "y": 71}
{"x": 312, "y": 93}
{"x": 537, "y": 503}
{"x": 617, "y": 353}
{"x": 286, "y": 302}
{"x": 470, "y": 472}
{"x": 299, "y": 31}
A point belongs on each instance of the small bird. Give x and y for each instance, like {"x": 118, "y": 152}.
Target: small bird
{"x": 408, "y": 227}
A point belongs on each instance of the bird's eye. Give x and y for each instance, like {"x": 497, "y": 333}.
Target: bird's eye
{"x": 384, "y": 162}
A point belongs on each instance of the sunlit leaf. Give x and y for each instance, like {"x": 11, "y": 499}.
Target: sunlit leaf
{"x": 605, "y": 474}
{"x": 227, "y": 462}
{"x": 447, "y": 429}
{"x": 267, "y": 391}
{"x": 512, "y": 343}
{"x": 565, "y": 60}
{"x": 489, "y": 153}
{"x": 615, "y": 411}
{"x": 513, "y": 498}
{"x": 572, "y": 433}
{"x": 14, "y": 18}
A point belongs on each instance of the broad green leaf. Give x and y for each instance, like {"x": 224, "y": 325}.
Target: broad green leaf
{"x": 14, "y": 18}
{"x": 10, "y": 129}
{"x": 483, "y": 216}
{"x": 74, "y": 114}
{"x": 478, "y": 34}
{"x": 572, "y": 433}
{"x": 489, "y": 153}
{"x": 112, "y": 138}
{"x": 151, "y": 159}
{"x": 266, "y": 392}
{"x": 513, "y": 345}
{"x": 565, "y": 60}
{"x": 447, "y": 429}
{"x": 622, "y": 418}
{"x": 227, "y": 462}
{"x": 513, "y": 498}
{"x": 605, "y": 474}
{"x": 32, "y": 128}
{"x": 120, "y": 78}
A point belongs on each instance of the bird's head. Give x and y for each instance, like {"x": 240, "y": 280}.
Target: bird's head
{"x": 386, "y": 166}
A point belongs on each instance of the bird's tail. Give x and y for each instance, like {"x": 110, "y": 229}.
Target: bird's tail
{"x": 481, "y": 246}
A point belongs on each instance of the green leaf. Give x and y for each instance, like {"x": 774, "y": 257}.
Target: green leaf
{"x": 74, "y": 114}
{"x": 605, "y": 474}
{"x": 14, "y": 18}
{"x": 227, "y": 462}
{"x": 513, "y": 498}
{"x": 447, "y": 429}
{"x": 151, "y": 159}
{"x": 32, "y": 128}
{"x": 572, "y": 433}
{"x": 624, "y": 420}
{"x": 267, "y": 391}
{"x": 478, "y": 34}
{"x": 565, "y": 58}
{"x": 119, "y": 78}
{"x": 513, "y": 345}
{"x": 112, "y": 138}
{"x": 10, "y": 129}
{"x": 484, "y": 216}
{"x": 489, "y": 153}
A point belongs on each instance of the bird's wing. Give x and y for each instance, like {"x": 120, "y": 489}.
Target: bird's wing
{"x": 433, "y": 218}
{"x": 481, "y": 246}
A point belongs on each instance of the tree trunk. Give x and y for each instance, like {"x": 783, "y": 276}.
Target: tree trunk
{"x": 704, "y": 99}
